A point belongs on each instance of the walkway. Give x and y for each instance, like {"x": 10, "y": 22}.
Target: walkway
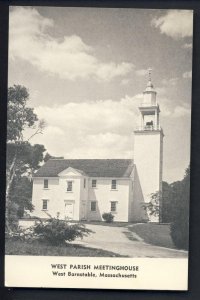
{"x": 115, "y": 239}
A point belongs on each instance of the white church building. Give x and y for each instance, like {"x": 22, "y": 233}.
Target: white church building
{"x": 83, "y": 189}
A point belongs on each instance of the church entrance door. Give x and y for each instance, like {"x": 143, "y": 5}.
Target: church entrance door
{"x": 69, "y": 210}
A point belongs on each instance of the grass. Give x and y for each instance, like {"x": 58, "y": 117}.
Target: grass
{"x": 154, "y": 234}
{"x": 38, "y": 248}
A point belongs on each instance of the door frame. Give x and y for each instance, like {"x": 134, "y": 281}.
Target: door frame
{"x": 65, "y": 203}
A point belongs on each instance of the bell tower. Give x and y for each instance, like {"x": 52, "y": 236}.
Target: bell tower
{"x": 148, "y": 146}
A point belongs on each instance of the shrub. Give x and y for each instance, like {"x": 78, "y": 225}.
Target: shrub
{"x": 108, "y": 217}
{"x": 22, "y": 234}
{"x": 57, "y": 232}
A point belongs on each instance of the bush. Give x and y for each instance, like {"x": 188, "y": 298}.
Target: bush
{"x": 22, "y": 234}
{"x": 57, "y": 232}
{"x": 108, "y": 217}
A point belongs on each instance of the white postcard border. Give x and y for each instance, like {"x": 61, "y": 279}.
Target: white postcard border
{"x": 135, "y": 273}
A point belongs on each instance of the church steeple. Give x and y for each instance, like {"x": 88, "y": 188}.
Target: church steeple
{"x": 148, "y": 146}
{"x": 149, "y": 108}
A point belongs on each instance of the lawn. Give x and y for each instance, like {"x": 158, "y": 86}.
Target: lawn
{"x": 39, "y": 248}
{"x": 154, "y": 234}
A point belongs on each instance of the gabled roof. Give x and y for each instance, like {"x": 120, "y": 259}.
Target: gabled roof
{"x": 70, "y": 169}
{"x": 91, "y": 167}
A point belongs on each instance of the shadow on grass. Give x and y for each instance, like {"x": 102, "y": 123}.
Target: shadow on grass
{"x": 37, "y": 248}
{"x": 154, "y": 234}
{"x": 130, "y": 236}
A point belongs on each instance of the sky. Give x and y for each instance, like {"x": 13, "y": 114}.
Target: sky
{"x": 86, "y": 70}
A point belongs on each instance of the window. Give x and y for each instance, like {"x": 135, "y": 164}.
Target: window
{"x": 84, "y": 183}
{"x": 113, "y": 206}
{"x": 44, "y": 204}
{"x": 94, "y": 183}
{"x": 114, "y": 184}
{"x": 46, "y": 183}
{"x": 93, "y": 206}
{"x": 69, "y": 186}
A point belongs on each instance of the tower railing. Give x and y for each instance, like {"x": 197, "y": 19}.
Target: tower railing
{"x": 148, "y": 128}
{"x": 147, "y": 104}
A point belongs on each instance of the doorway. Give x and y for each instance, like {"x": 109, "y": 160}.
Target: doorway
{"x": 69, "y": 210}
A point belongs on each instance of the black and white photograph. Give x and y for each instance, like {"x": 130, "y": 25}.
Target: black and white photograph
{"x": 98, "y": 147}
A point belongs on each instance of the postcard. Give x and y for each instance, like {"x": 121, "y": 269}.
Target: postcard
{"x": 98, "y": 148}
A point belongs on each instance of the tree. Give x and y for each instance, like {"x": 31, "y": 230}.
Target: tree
{"x": 35, "y": 157}
{"x": 21, "y": 189}
{"x": 20, "y": 154}
{"x": 175, "y": 208}
{"x": 19, "y": 115}
{"x": 20, "y": 199}
{"x": 165, "y": 208}
{"x": 48, "y": 156}
{"x": 167, "y": 202}
{"x": 21, "y": 195}
{"x": 180, "y": 222}
{"x": 153, "y": 205}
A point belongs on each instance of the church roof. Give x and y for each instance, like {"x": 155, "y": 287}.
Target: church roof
{"x": 91, "y": 167}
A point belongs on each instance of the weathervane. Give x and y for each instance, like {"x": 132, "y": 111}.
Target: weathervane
{"x": 149, "y": 72}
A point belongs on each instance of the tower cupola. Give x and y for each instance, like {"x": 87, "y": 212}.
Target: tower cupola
{"x": 149, "y": 108}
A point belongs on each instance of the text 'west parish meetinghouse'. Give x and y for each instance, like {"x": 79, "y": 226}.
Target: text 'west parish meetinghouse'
{"x": 84, "y": 189}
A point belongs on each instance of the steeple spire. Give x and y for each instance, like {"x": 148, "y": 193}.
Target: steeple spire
{"x": 149, "y": 93}
{"x": 149, "y": 71}
{"x": 149, "y": 83}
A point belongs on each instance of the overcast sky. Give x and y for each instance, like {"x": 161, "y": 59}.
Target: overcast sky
{"x": 85, "y": 69}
